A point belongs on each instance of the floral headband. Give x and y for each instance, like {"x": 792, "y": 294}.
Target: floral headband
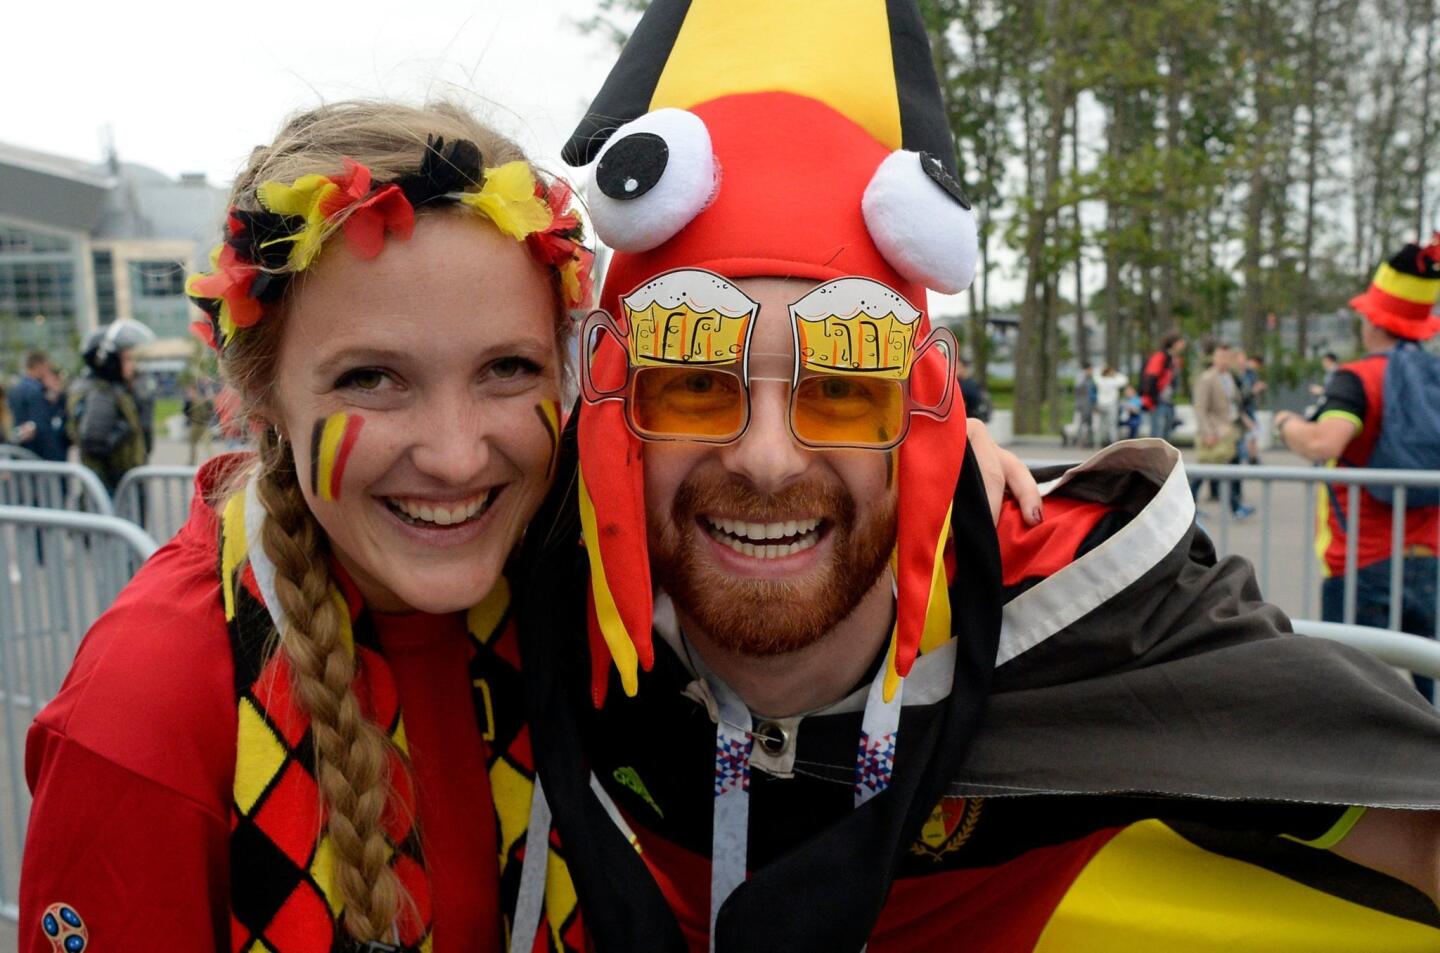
{"x": 263, "y": 249}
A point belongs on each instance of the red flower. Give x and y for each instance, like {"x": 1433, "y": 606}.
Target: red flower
{"x": 230, "y": 282}
{"x": 204, "y": 332}
{"x": 388, "y": 210}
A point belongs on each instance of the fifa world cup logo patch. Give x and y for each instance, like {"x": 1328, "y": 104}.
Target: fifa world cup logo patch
{"x": 64, "y": 928}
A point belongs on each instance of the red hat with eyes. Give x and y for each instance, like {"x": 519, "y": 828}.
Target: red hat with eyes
{"x": 751, "y": 138}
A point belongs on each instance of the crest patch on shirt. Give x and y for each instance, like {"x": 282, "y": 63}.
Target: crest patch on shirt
{"x": 64, "y": 928}
{"x": 949, "y": 826}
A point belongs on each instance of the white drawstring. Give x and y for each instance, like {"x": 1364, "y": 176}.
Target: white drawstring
{"x": 531, "y": 902}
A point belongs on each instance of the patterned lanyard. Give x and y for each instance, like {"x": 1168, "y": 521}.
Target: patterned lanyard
{"x": 734, "y": 742}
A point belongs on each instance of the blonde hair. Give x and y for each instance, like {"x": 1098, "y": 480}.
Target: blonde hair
{"x": 352, "y": 753}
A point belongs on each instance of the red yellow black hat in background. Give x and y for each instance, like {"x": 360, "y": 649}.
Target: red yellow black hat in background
{"x": 1401, "y": 296}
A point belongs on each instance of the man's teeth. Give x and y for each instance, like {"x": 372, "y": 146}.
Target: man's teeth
{"x": 765, "y": 540}
{"x": 443, "y": 514}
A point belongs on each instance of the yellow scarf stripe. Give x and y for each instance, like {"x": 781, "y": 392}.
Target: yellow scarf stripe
{"x": 937, "y": 613}
{"x": 622, "y": 650}
{"x": 1412, "y": 288}
{"x": 484, "y": 617}
{"x": 233, "y": 552}
{"x": 892, "y": 675}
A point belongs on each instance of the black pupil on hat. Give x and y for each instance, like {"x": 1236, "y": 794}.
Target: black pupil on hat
{"x": 632, "y": 166}
{"x": 944, "y": 179}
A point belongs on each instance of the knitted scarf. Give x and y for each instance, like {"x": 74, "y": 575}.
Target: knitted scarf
{"x": 283, "y": 898}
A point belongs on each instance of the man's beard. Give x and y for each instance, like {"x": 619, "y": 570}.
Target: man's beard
{"x": 766, "y": 617}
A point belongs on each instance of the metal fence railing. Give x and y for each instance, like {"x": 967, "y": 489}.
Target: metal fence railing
{"x": 1313, "y": 481}
{"x": 58, "y": 572}
{"x": 50, "y": 485}
{"x": 157, "y": 498}
{"x": 1413, "y": 653}
{"x": 8, "y": 451}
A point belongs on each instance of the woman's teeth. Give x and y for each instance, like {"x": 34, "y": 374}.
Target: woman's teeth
{"x": 441, "y": 514}
{"x": 765, "y": 540}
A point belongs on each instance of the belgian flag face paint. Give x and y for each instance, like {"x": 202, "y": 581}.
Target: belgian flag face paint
{"x": 549, "y": 413}
{"x": 331, "y": 441}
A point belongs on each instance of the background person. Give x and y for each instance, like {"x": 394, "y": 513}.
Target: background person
{"x": 977, "y": 398}
{"x": 1085, "y": 406}
{"x": 1158, "y": 381}
{"x": 1360, "y": 422}
{"x": 104, "y": 411}
{"x": 199, "y": 412}
{"x": 38, "y": 399}
{"x": 1248, "y": 375}
{"x": 1109, "y": 387}
{"x": 1219, "y": 426}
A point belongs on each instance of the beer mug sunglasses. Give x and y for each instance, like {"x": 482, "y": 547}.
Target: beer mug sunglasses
{"x": 689, "y": 363}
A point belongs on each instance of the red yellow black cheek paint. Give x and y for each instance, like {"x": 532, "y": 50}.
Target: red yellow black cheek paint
{"x": 331, "y": 441}
{"x": 549, "y": 413}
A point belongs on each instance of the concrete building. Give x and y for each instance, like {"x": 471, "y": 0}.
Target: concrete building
{"x": 83, "y": 244}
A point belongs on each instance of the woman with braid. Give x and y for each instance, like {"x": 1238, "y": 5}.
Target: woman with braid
{"x": 297, "y": 729}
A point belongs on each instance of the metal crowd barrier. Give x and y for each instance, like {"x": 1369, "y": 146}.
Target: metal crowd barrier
{"x": 58, "y": 572}
{"x": 156, "y": 498}
{"x": 1414, "y": 653}
{"x": 1314, "y": 480}
{"x": 9, "y": 451}
{"x": 50, "y": 485}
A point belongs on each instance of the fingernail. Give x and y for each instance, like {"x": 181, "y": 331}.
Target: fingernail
{"x": 1035, "y": 514}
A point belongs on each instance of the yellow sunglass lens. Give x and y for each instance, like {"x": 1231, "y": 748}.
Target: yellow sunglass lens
{"x": 847, "y": 409}
{"x": 687, "y": 402}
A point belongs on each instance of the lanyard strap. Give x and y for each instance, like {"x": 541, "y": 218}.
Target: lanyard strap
{"x": 734, "y": 742}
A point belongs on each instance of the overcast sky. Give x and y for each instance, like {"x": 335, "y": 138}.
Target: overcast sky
{"x": 193, "y": 86}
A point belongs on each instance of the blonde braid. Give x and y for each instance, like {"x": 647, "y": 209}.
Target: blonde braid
{"x": 352, "y": 753}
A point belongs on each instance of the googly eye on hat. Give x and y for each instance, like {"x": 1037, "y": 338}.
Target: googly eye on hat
{"x": 921, "y": 221}
{"x": 653, "y": 177}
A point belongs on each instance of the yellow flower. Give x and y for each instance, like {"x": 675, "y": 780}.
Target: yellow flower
{"x": 508, "y": 199}
{"x": 307, "y": 198}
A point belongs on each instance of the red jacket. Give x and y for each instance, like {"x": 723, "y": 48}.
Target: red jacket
{"x": 1157, "y": 377}
{"x": 132, "y": 764}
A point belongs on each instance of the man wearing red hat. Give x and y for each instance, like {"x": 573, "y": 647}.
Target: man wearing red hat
{"x": 796, "y": 690}
{"x": 1363, "y": 420}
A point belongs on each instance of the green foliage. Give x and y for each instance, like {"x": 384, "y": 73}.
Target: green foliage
{"x": 1235, "y": 158}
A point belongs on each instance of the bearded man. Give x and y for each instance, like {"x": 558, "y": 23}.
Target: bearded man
{"x": 798, "y": 691}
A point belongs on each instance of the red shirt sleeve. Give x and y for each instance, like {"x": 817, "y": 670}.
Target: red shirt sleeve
{"x": 131, "y": 767}
{"x": 143, "y": 866}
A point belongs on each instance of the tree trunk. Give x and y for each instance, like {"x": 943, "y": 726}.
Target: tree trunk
{"x": 1306, "y": 304}
{"x": 1030, "y": 339}
{"x": 1423, "y": 150}
{"x": 1082, "y": 333}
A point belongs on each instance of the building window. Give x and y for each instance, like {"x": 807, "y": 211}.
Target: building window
{"x": 157, "y": 279}
{"x": 103, "y": 265}
{"x": 20, "y": 241}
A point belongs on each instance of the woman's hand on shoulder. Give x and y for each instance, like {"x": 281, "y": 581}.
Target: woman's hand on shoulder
{"x": 1004, "y": 473}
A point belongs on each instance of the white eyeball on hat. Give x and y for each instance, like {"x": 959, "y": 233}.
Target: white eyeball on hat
{"x": 654, "y": 175}
{"x": 921, "y": 221}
